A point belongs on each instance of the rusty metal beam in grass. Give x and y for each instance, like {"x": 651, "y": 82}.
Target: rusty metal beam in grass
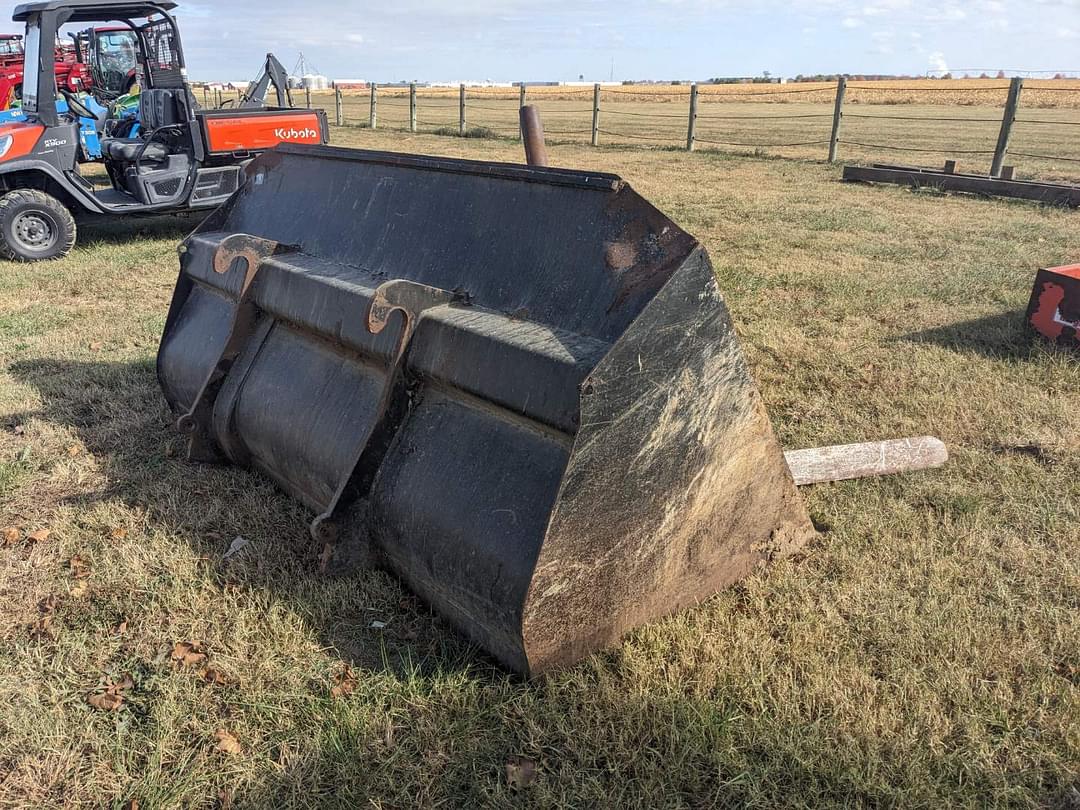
{"x": 1047, "y": 193}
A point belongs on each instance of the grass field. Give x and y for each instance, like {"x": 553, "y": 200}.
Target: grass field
{"x": 924, "y": 652}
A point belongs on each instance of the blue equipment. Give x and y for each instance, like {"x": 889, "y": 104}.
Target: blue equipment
{"x": 88, "y": 133}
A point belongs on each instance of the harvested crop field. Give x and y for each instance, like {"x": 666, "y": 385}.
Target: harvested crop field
{"x": 913, "y": 122}
{"x": 921, "y": 653}
{"x": 1045, "y": 93}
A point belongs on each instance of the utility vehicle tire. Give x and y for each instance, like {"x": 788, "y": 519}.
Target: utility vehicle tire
{"x": 34, "y": 226}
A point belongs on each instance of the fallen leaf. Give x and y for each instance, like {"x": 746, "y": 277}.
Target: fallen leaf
{"x": 38, "y": 535}
{"x": 80, "y": 589}
{"x": 188, "y": 654}
{"x": 122, "y": 685}
{"x": 520, "y": 772}
{"x": 74, "y": 450}
{"x": 225, "y": 799}
{"x": 344, "y": 683}
{"x": 122, "y": 627}
{"x": 11, "y": 535}
{"x": 131, "y": 804}
{"x": 96, "y": 346}
{"x": 48, "y": 604}
{"x": 106, "y": 701}
{"x": 18, "y": 430}
{"x": 119, "y": 533}
{"x": 80, "y": 568}
{"x": 227, "y": 742}
{"x": 216, "y": 677}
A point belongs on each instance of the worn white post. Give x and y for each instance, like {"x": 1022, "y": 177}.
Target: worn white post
{"x": 461, "y": 111}
{"x": 837, "y": 117}
{"x": 1011, "y": 105}
{"x": 412, "y": 107}
{"x": 339, "y": 113}
{"x": 373, "y": 117}
{"x": 844, "y": 462}
{"x": 692, "y": 125}
{"x": 596, "y": 114}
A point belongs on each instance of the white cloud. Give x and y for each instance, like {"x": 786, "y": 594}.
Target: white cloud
{"x": 514, "y": 39}
{"x": 938, "y": 62}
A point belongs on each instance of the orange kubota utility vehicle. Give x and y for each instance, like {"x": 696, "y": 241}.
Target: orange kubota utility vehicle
{"x": 185, "y": 159}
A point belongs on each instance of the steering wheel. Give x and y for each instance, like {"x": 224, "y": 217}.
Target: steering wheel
{"x": 77, "y": 106}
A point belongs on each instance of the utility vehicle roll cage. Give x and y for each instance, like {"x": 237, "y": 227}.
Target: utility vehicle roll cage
{"x": 51, "y": 15}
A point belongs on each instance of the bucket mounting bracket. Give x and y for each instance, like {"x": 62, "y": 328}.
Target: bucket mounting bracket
{"x": 253, "y": 251}
{"x": 413, "y": 301}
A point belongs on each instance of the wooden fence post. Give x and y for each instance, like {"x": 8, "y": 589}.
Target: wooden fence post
{"x": 239, "y": 95}
{"x": 412, "y": 107}
{"x": 837, "y": 116}
{"x": 307, "y": 97}
{"x": 373, "y": 117}
{"x": 205, "y": 97}
{"x": 1011, "y": 105}
{"x": 692, "y": 125}
{"x": 521, "y": 103}
{"x": 338, "y": 107}
{"x": 461, "y": 112}
{"x": 596, "y": 114}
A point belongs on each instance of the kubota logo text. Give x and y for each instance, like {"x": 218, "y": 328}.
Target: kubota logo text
{"x": 289, "y": 134}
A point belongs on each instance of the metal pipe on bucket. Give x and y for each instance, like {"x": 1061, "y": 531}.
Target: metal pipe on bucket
{"x": 532, "y": 134}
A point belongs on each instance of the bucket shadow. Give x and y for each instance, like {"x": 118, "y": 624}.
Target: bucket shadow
{"x": 120, "y": 417}
{"x": 1005, "y": 336}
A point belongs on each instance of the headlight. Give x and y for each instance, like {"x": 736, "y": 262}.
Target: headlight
{"x": 5, "y": 144}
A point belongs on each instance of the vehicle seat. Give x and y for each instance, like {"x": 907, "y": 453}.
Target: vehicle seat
{"x": 157, "y": 108}
{"x": 127, "y": 150}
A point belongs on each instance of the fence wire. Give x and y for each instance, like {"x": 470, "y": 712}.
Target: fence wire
{"x": 662, "y": 116}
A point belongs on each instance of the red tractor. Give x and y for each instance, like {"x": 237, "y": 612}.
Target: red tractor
{"x": 11, "y": 50}
{"x": 71, "y": 73}
{"x": 109, "y": 54}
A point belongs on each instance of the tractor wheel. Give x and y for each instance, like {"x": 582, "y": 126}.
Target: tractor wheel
{"x": 34, "y": 226}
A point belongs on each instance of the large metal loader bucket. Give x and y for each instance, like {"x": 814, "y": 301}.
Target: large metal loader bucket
{"x": 517, "y": 388}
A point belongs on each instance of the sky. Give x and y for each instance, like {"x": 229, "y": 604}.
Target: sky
{"x": 512, "y": 40}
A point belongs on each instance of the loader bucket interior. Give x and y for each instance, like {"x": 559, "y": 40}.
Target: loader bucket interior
{"x": 517, "y": 388}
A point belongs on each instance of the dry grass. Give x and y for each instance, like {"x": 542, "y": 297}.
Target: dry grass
{"x": 924, "y": 653}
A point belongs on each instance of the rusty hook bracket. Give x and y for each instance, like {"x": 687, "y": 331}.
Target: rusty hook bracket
{"x": 253, "y": 250}
{"x": 413, "y": 301}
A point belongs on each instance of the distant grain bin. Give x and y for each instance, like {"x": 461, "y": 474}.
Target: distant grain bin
{"x": 314, "y": 81}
